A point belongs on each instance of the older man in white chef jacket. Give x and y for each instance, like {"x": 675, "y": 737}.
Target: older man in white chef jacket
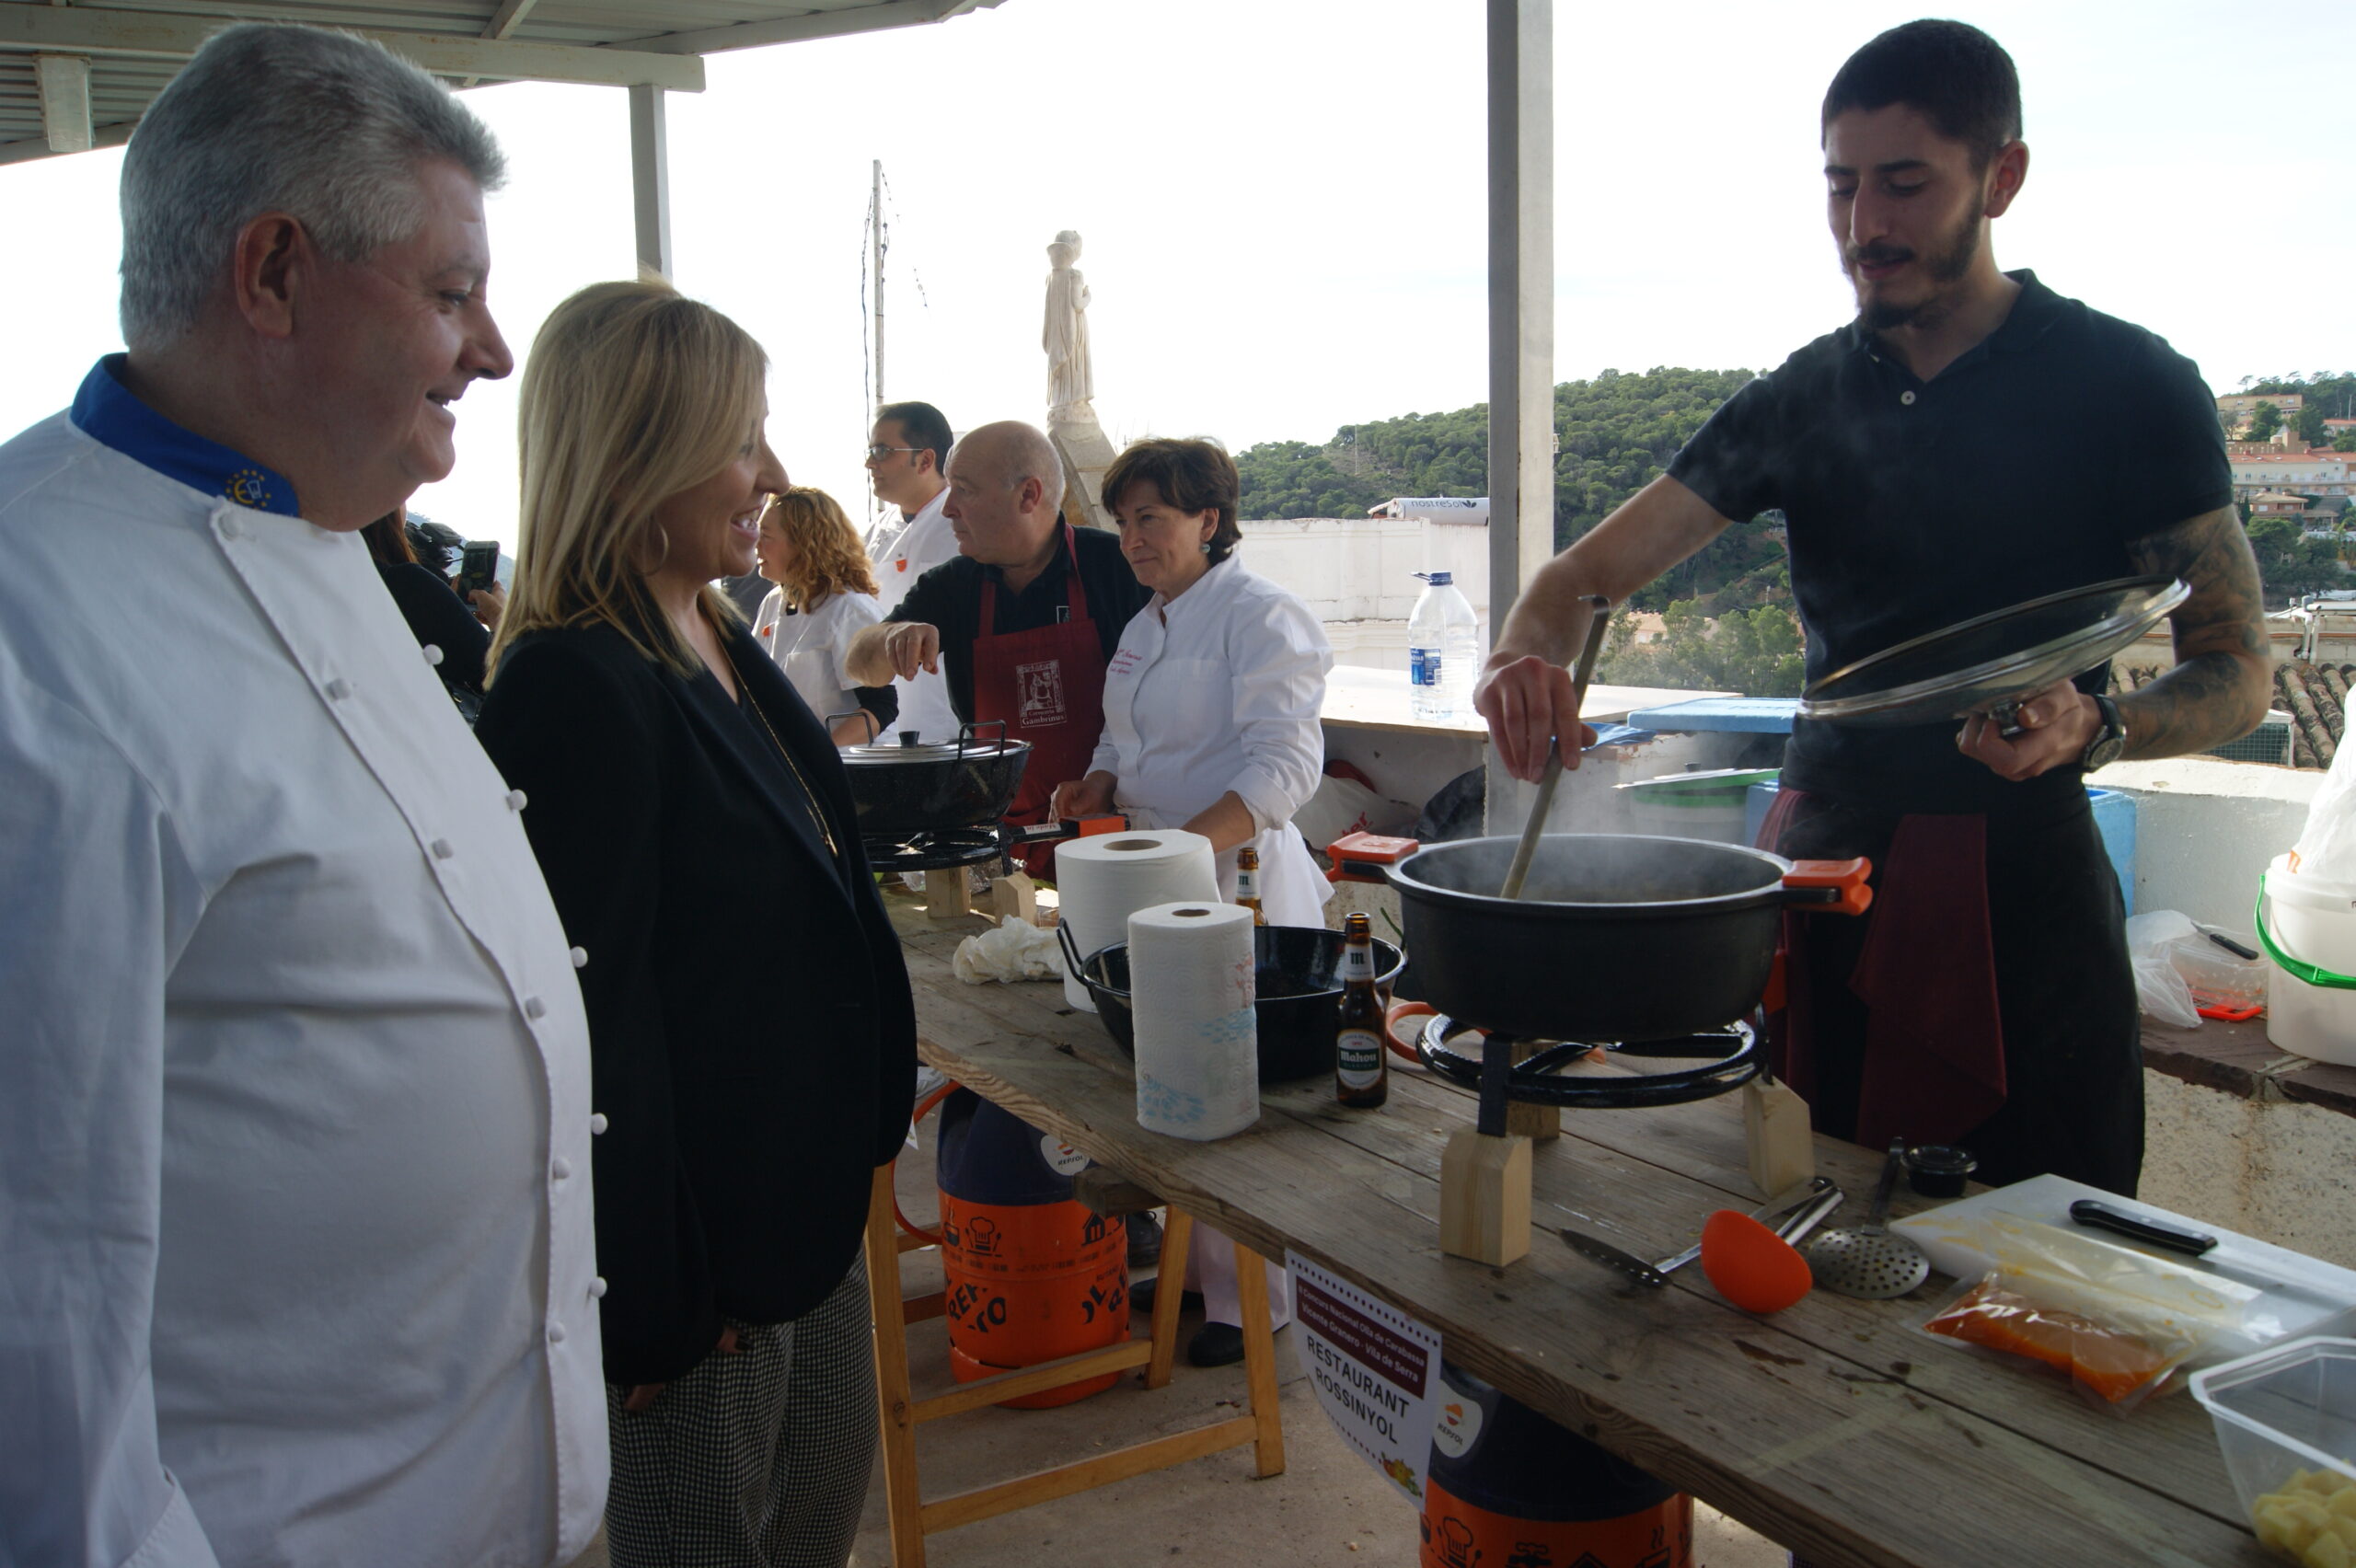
{"x": 295, "y": 1226}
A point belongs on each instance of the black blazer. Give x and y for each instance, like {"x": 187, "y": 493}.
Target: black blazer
{"x": 752, "y": 1037}
{"x": 438, "y": 618}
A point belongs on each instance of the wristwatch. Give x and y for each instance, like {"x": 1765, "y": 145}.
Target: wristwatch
{"x": 2109, "y": 742}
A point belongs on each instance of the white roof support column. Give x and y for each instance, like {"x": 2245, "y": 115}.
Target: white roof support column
{"x": 1521, "y": 296}
{"x": 64, "y": 101}
{"x": 650, "y": 177}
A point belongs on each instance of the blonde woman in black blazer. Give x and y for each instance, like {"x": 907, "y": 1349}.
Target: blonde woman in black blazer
{"x": 750, "y": 1025}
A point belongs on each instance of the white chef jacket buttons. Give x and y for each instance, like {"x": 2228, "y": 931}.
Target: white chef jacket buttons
{"x": 1907, "y": 397}
{"x": 597, "y": 1123}
{"x": 337, "y": 689}
{"x": 560, "y": 1167}
{"x": 534, "y": 1008}
{"x": 597, "y": 1288}
{"x": 433, "y": 655}
{"x": 580, "y": 957}
{"x": 442, "y": 849}
{"x": 514, "y": 800}
{"x": 230, "y": 527}
{"x": 556, "y": 1333}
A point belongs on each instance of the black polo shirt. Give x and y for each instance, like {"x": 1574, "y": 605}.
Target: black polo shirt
{"x": 2025, "y": 467}
{"x": 950, "y": 598}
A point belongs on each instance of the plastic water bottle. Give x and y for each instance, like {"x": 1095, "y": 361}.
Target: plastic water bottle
{"x": 1443, "y": 650}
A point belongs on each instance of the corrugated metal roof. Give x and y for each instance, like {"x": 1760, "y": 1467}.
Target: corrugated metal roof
{"x": 134, "y": 46}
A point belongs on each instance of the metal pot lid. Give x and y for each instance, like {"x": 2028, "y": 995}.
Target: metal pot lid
{"x": 1991, "y": 659}
{"x": 911, "y": 750}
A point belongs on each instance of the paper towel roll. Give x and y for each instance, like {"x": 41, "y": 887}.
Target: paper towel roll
{"x": 1104, "y": 879}
{"x": 1198, "y": 1042}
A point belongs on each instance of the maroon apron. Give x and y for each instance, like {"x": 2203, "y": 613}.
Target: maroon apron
{"x": 1048, "y": 684}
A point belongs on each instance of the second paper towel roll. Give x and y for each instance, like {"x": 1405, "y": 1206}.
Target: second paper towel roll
{"x": 1103, "y": 880}
{"x": 1198, "y": 1041}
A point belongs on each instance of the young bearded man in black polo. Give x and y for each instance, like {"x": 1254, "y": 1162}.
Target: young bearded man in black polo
{"x": 1971, "y": 441}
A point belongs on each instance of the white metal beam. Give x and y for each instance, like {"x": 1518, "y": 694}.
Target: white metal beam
{"x": 877, "y": 17}
{"x": 64, "y": 101}
{"x": 1521, "y": 296}
{"x": 508, "y": 17}
{"x": 32, "y": 147}
{"x": 155, "y": 34}
{"x": 503, "y": 21}
{"x": 650, "y": 177}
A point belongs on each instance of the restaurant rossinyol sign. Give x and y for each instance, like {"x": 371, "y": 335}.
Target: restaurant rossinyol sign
{"x": 1375, "y": 1370}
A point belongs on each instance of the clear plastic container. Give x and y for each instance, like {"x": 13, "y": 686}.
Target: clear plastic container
{"x": 2286, "y": 1419}
{"x": 1443, "y": 650}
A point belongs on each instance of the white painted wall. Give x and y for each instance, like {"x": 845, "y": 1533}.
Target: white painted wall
{"x": 1356, "y": 575}
{"x": 2204, "y": 829}
{"x": 2273, "y": 1168}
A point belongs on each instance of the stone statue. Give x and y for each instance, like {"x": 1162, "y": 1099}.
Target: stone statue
{"x": 1070, "y": 382}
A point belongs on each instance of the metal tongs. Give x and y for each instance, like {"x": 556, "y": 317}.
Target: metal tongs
{"x": 1791, "y": 1213}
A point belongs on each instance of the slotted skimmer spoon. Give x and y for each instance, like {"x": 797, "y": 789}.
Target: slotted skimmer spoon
{"x": 1869, "y": 1262}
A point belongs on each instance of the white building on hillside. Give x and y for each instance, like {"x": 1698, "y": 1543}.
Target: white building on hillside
{"x": 2316, "y": 472}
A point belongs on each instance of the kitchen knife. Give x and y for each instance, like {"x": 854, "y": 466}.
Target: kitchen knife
{"x": 1612, "y": 1257}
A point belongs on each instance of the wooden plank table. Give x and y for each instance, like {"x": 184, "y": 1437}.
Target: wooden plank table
{"x": 1834, "y": 1428}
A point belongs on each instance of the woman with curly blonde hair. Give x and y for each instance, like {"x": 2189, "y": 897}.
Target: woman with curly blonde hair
{"x": 824, "y": 596}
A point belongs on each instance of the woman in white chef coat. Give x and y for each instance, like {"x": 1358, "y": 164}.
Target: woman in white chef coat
{"x": 824, "y": 596}
{"x": 1210, "y": 724}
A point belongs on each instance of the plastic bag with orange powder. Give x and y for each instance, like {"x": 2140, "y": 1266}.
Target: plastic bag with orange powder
{"x": 2117, "y": 1322}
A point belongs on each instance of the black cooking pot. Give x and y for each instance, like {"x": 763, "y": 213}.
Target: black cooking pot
{"x": 905, "y": 787}
{"x": 1618, "y": 936}
{"x": 1297, "y": 990}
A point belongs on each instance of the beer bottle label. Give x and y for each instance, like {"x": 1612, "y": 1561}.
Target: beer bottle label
{"x": 1357, "y": 963}
{"x": 1359, "y": 1054}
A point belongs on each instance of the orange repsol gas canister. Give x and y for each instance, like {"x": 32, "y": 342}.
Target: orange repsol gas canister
{"x": 1032, "y": 1273}
{"x": 1509, "y": 1489}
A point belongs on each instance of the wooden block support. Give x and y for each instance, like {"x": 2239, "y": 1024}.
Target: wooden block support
{"x": 948, "y": 894}
{"x": 1484, "y": 1197}
{"x": 1776, "y": 1133}
{"x": 1017, "y": 896}
{"x": 1537, "y": 1123}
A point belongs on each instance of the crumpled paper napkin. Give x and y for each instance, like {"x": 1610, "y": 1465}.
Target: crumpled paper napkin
{"x": 1016, "y": 951}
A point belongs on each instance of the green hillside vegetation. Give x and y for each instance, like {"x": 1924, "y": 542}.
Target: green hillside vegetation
{"x": 1617, "y": 433}
{"x": 2289, "y": 561}
{"x": 2324, "y": 396}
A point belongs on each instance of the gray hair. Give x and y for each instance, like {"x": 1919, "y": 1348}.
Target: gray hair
{"x": 323, "y": 125}
{"x": 1018, "y": 451}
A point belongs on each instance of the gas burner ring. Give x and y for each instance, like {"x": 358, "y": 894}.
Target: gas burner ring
{"x": 1731, "y": 1056}
{"x": 936, "y": 850}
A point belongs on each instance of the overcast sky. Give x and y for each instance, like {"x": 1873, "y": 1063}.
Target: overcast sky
{"x": 1283, "y": 205}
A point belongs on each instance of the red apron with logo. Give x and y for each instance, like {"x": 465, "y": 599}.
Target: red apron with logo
{"x": 1048, "y": 684}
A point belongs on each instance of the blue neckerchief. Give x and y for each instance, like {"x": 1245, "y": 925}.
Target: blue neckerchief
{"x": 106, "y": 410}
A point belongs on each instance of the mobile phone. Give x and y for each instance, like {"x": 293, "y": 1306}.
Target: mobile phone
{"x": 477, "y": 565}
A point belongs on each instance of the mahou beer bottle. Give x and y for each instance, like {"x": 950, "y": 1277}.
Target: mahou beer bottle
{"x": 1361, "y": 1070}
{"x": 1247, "y": 882}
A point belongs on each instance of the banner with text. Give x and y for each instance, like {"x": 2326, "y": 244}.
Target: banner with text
{"x": 1375, "y": 1370}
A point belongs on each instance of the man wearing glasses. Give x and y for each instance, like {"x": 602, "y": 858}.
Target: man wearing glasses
{"x": 905, "y": 456}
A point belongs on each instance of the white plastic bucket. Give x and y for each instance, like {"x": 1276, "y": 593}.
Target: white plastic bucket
{"x": 2308, "y": 929}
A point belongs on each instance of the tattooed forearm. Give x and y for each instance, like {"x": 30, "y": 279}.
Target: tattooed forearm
{"x": 2217, "y": 691}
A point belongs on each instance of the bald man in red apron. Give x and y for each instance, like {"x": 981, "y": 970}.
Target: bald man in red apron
{"x": 1023, "y": 621}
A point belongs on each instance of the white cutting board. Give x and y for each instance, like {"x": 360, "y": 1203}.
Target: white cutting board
{"x": 2298, "y": 1295}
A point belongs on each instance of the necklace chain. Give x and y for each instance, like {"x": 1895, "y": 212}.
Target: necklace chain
{"x": 809, "y": 796}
